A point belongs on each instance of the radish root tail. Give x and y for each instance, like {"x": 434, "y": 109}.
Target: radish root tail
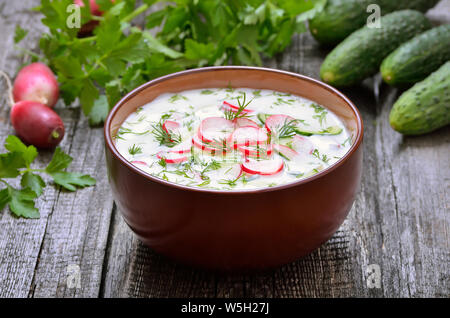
{"x": 8, "y": 83}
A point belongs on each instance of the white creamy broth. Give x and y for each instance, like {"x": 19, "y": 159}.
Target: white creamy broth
{"x": 232, "y": 138}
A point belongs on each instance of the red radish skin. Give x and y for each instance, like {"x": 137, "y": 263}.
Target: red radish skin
{"x": 171, "y": 127}
{"x": 37, "y": 124}
{"x": 264, "y": 168}
{"x": 171, "y": 157}
{"x": 184, "y": 147}
{"x": 87, "y": 28}
{"x": 233, "y": 108}
{"x": 247, "y": 136}
{"x": 95, "y": 9}
{"x": 257, "y": 152}
{"x": 36, "y": 83}
{"x": 137, "y": 162}
{"x": 205, "y": 147}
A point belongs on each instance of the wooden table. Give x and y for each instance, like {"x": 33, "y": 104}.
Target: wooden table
{"x": 399, "y": 224}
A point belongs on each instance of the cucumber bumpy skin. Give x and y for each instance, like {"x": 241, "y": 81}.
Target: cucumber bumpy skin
{"x": 416, "y": 59}
{"x": 342, "y": 17}
{"x": 361, "y": 54}
{"x": 424, "y": 107}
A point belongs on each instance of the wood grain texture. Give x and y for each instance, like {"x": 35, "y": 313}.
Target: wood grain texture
{"x": 399, "y": 222}
{"x": 73, "y": 228}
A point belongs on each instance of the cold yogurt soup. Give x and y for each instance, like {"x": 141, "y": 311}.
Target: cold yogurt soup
{"x": 232, "y": 139}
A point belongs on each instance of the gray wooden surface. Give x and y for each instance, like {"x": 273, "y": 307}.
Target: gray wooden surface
{"x": 399, "y": 222}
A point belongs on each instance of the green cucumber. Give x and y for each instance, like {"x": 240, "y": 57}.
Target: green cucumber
{"x": 332, "y": 130}
{"x": 361, "y": 54}
{"x": 417, "y": 58}
{"x": 342, "y": 17}
{"x": 424, "y": 107}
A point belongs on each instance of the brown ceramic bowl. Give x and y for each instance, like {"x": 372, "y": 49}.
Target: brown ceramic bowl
{"x": 248, "y": 229}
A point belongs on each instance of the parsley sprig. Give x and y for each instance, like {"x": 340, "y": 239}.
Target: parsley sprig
{"x": 17, "y": 163}
{"x": 98, "y": 70}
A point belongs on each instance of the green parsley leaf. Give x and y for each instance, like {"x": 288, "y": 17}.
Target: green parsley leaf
{"x": 22, "y": 203}
{"x": 59, "y": 162}
{"x": 19, "y": 34}
{"x": 72, "y": 180}
{"x": 99, "y": 111}
{"x": 5, "y": 198}
{"x": 14, "y": 144}
{"x": 34, "y": 182}
{"x": 10, "y": 163}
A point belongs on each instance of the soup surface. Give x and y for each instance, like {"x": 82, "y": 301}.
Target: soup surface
{"x": 232, "y": 139}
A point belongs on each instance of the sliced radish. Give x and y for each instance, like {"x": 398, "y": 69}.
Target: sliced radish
{"x": 184, "y": 147}
{"x": 215, "y": 129}
{"x": 302, "y": 144}
{"x": 247, "y": 136}
{"x": 285, "y": 151}
{"x": 264, "y": 167}
{"x": 256, "y": 151}
{"x": 244, "y": 122}
{"x": 137, "y": 162}
{"x": 274, "y": 122}
{"x": 233, "y": 108}
{"x": 171, "y": 127}
{"x": 230, "y": 173}
{"x": 171, "y": 157}
{"x": 206, "y": 147}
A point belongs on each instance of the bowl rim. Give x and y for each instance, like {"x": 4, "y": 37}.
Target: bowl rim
{"x": 111, "y": 147}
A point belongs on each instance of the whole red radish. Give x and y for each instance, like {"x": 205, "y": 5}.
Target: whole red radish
{"x": 37, "y": 124}
{"x": 37, "y": 83}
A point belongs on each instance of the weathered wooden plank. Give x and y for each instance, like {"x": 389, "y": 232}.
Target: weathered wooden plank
{"x": 72, "y": 231}
{"x": 77, "y": 230}
{"x": 20, "y": 239}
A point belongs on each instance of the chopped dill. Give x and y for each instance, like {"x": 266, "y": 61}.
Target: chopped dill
{"x": 163, "y": 137}
{"x": 134, "y": 150}
{"x": 348, "y": 140}
{"x": 176, "y": 97}
{"x": 124, "y": 130}
{"x": 166, "y": 116}
{"x": 256, "y": 93}
{"x": 162, "y": 162}
{"x": 282, "y": 101}
{"x": 206, "y": 92}
{"x": 213, "y": 165}
{"x": 180, "y": 173}
{"x": 324, "y": 158}
{"x": 188, "y": 125}
{"x": 321, "y": 117}
{"x": 204, "y": 183}
{"x": 232, "y": 115}
{"x": 287, "y": 129}
{"x": 281, "y": 94}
